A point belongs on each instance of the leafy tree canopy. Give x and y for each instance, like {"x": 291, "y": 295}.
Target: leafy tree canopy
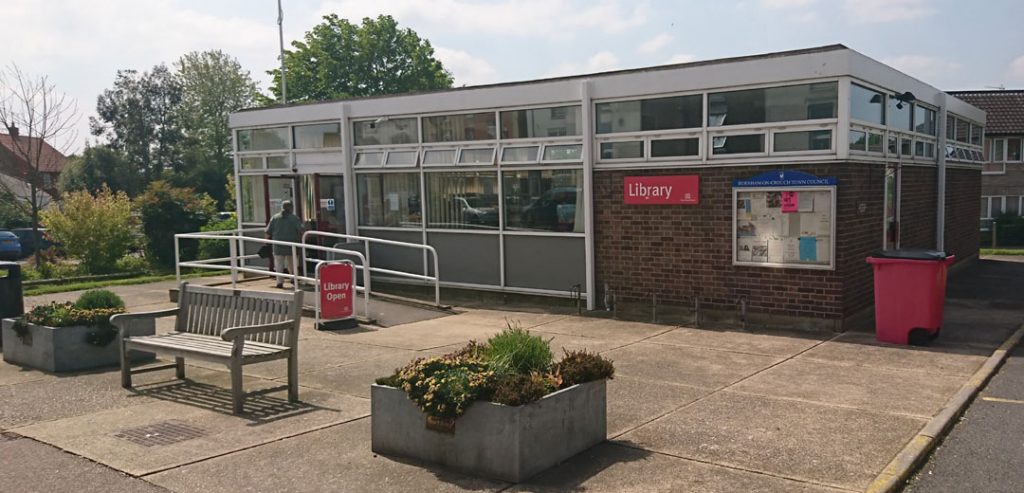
{"x": 98, "y": 166}
{"x": 338, "y": 59}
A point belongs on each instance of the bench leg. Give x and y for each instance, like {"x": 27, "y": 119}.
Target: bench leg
{"x": 237, "y": 395}
{"x": 293, "y": 377}
{"x": 179, "y": 369}
{"x": 126, "y": 369}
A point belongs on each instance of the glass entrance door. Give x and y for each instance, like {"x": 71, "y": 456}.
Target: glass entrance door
{"x": 279, "y": 189}
{"x": 330, "y": 211}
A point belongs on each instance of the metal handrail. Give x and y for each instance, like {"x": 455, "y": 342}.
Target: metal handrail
{"x": 436, "y": 278}
{"x": 236, "y": 262}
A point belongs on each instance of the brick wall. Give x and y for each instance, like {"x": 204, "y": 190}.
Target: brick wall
{"x": 682, "y": 251}
{"x": 917, "y": 207}
{"x": 963, "y": 210}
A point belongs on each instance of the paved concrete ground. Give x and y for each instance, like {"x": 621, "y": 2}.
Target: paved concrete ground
{"x": 689, "y": 410}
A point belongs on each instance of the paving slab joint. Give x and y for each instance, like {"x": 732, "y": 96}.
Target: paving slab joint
{"x": 899, "y": 470}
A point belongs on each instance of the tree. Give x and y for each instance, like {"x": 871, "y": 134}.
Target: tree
{"x": 213, "y": 84}
{"x": 339, "y": 59}
{"x": 94, "y": 229}
{"x": 12, "y": 213}
{"x": 138, "y": 117}
{"x": 168, "y": 210}
{"x": 40, "y": 122}
{"x": 98, "y": 166}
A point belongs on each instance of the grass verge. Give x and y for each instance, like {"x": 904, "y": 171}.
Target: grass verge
{"x": 1002, "y": 251}
{"x": 78, "y": 286}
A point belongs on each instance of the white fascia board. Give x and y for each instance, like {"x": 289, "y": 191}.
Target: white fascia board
{"x": 882, "y": 75}
{"x": 302, "y": 113}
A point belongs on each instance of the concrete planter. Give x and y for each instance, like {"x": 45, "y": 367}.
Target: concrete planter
{"x": 62, "y": 349}
{"x": 509, "y": 443}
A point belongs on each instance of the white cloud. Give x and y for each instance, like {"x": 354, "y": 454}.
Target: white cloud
{"x": 877, "y": 11}
{"x": 805, "y": 18}
{"x": 922, "y": 67}
{"x": 81, "y": 45}
{"x": 467, "y": 69}
{"x": 524, "y": 18}
{"x": 681, "y": 58}
{"x": 654, "y": 44}
{"x": 598, "y": 62}
{"x": 785, "y": 4}
{"x": 602, "y": 62}
{"x": 1017, "y": 68}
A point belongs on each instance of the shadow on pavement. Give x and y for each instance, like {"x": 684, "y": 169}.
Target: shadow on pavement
{"x": 260, "y": 408}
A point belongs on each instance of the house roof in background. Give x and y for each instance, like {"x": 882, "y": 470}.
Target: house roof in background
{"x": 1005, "y": 109}
{"x": 50, "y": 159}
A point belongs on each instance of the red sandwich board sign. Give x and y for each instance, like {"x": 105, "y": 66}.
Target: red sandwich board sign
{"x": 337, "y": 290}
{"x": 661, "y": 190}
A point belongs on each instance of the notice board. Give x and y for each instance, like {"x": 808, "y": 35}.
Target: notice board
{"x": 784, "y": 219}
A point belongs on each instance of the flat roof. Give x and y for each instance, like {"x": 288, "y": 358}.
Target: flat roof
{"x": 655, "y": 68}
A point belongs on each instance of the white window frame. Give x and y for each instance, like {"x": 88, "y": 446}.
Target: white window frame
{"x": 711, "y": 144}
{"x": 544, "y": 148}
{"x": 458, "y": 157}
{"x": 536, "y": 160}
{"x": 803, "y": 128}
{"x": 428, "y": 150}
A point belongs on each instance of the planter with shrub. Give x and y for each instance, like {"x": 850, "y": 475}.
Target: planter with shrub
{"x": 503, "y": 409}
{"x": 61, "y": 337}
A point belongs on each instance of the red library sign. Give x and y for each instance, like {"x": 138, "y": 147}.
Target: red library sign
{"x": 337, "y": 291}
{"x": 657, "y": 190}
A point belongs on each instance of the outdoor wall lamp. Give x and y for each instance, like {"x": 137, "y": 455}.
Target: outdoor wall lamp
{"x": 907, "y": 97}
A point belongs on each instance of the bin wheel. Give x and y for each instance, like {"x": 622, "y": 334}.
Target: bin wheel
{"x": 935, "y": 335}
{"x": 919, "y": 337}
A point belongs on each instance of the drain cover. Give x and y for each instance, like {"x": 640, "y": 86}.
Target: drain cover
{"x": 159, "y": 434}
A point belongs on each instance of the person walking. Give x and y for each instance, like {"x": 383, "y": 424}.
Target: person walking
{"x": 284, "y": 226}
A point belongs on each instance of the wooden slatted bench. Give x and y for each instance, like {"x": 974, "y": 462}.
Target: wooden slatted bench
{"x": 227, "y": 326}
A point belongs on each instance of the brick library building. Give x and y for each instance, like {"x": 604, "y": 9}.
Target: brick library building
{"x": 750, "y": 187}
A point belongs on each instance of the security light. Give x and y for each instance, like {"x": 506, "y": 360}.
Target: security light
{"x": 907, "y": 97}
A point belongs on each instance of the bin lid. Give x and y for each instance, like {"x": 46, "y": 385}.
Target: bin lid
{"x": 5, "y": 264}
{"x": 912, "y": 254}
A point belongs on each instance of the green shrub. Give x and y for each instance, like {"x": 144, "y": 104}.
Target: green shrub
{"x": 66, "y": 314}
{"x": 392, "y": 380}
{"x": 518, "y": 389}
{"x": 97, "y": 230}
{"x": 216, "y": 248}
{"x": 134, "y": 264}
{"x": 582, "y": 367}
{"x": 51, "y": 269}
{"x": 99, "y": 298}
{"x": 166, "y": 211}
{"x": 443, "y": 387}
{"x": 515, "y": 350}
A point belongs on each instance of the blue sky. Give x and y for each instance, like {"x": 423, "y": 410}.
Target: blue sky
{"x": 80, "y": 44}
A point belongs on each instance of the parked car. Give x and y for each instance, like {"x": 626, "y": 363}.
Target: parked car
{"x": 475, "y": 212}
{"x": 10, "y": 247}
{"x": 554, "y": 210}
{"x": 29, "y": 244}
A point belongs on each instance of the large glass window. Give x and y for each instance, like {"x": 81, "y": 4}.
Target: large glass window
{"x": 773, "y": 104}
{"x": 462, "y": 200}
{"x": 738, "y": 144}
{"x": 318, "y": 136}
{"x": 866, "y": 105}
{"x": 384, "y": 132}
{"x": 812, "y": 140}
{"x": 263, "y": 139}
{"x": 924, "y": 120}
{"x": 457, "y": 128}
{"x": 650, "y": 114}
{"x": 389, "y": 199}
{"x": 963, "y": 130}
{"x": 622, "y": 150}
{"x": 899, "y": 114}
{"x": 254, "y": 199}
{"x": 976, "y": 133}
{"x": 675, "y": 147}
{"x": 541, "y": 122}
{"x": 544, "y": 200}
{"x": 858, "y": 140}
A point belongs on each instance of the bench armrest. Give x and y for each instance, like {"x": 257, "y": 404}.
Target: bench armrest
{"x": 121, "y": 320}
{"x": 240, "y": 332}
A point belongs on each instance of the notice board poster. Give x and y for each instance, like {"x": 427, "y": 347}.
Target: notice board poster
{"x": 784, "y": 219}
